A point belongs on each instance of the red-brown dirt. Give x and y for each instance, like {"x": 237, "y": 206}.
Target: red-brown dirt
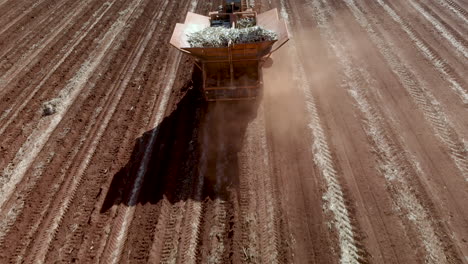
{"x": 356, "y": 151}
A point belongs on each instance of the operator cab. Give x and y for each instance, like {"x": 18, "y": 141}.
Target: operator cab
{"x": 228, "y": 15}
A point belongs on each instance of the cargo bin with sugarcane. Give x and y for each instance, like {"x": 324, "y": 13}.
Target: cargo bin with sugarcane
{"x": 230, "y": 46}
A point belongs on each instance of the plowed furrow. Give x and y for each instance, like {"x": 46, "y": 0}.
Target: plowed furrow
{"x": 438, "y": 62}
{"x": 188, "y": 193}
{"x": 333, "y": 195}
{"x": 214, "y": 224}
{"x": 123, "y": 220}
{"x": 151, "y": 216}
{"x": 267, "y": 210}
{"x": 25, "y": 95}
{"x": 26, "y": 50}
{"x": 116, "y": 242}
{"x": 166, "y": 192}
{"x": 139, "y": 85}
{"x": 88, "y": 209}
{"x": 14, "y": 11}
{"x": 425, "y": 100}
{"x": 62, "y": 70}
{"x": 25, "y": 37}
{"x": 451, "y": 35}
{"x": 36, "y": 140}
{"x": 456, "y": 9}
{"x": 70, "y": 187}
{"x": 46, "y": 207}
{"x": 391, "y": 164}
{"x": 68, "y": 159}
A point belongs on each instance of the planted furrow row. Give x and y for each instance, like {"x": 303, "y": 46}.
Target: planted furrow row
{"x": 113, "y": 251}
{"x": 215, "y": 225}
{"x": 423, "y": 98}
{"x": 40, "y": 210}
{"x": 439, "y": 64}
{"x": 89, "y": 209}
{"x": 158, "y": 239}
{"x": 24, "y": 37}
{"x": 266, "y": 211}
{"x": 245, "y": 249}
{"x": 195, "y": 209}
{"x": 392, "y": 164}
{"x": 123, "y": 220}
{"x": 24, "y": 190}
{"x": 70, "y": 185}
{"x": 63, "y": 69}
{"x": 13, "y": 13}
{"x": 169, "y": 252}
{"x": 29, "y": 57}
{"x": 456, "y": 9}
{"x": 22, "y": 51}
{"x": 270, "y": 239}
{"x": 452, "y": 36}
{"x": 167, "y": 188}
{"x": 12, "y": 175}
{"x": 103, "y": 219}
{"x": 259, "y": 238}
{"x": 333, "y": 196}
{"x": 10, "y": 213}
{"x": 23, "y": 99}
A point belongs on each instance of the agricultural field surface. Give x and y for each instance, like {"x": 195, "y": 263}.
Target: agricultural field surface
{"x": 355, "y": 152}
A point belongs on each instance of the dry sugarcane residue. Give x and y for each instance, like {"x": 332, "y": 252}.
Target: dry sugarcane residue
{"x": 215, "y": 37}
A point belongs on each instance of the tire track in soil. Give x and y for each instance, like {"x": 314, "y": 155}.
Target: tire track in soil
{"x": 447, "y": 14}
{"x": 146, "y": 216}
{"x": 422, "y": 97}
{"x": 23, "y": 99}
{"x": 39, "y": 21}
{"x": 333, "y": 197}
{"x": 100, "y": 221}
{"x": 32, "y": 181}
{"x": 425, "y": 101}
{"x": 431, "y": 56}
{"x": 180, "y": 220}
{"x": 265, "y": 195}
{"x": 56, "y": 71}
{"x": 100, "y": 57}
{"x": 27, "y": 58}
{"x": 16, "y": 13}
{"x": 456, "y": 9}
{"x": 277, "y": 187}
{"x": 160, "y": 251}
{"x": 215, "y": 220}
{"x": 88, "y": 209}
{"x": 20, "y": 55}
{"x": 119, "y": 231}
{"x": 70, "y": 187}
{"x": 195, "y": 231}
{"x": 83, "y": 54}
{"x": 36, "y": 71}
{"x": 391, "y": 164}
{"x": 450, "y": 34}
{"x": 118, "y": 236}
{"x": 14, "y": 172}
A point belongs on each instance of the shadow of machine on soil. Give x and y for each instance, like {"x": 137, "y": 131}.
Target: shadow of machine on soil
{"x": 194, "y": 154}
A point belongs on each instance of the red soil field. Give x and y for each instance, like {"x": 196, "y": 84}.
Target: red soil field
{"x": 356, "y": 151}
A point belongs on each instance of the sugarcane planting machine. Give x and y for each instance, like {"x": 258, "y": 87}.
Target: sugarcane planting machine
{"x": 231, "y": 71}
